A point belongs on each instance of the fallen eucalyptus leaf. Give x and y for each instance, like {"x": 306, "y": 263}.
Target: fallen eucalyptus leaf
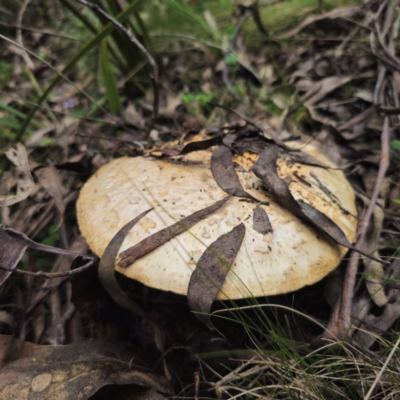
{"x": 225, "y": 174}
{"x": 75, "y": 371}
{"x": 265, "y": 169}
{"x": 211, "y": 270}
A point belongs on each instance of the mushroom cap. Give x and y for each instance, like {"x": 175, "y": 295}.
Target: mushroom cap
{"x": 294, "y": 255}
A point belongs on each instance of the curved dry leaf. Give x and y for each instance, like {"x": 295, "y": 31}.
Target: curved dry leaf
{"x": 71, "y": 372}
{"x": 23, "y": 177}
{"x": 199, "y": 145}
{"x": 211, "y": 270}
{"x": 107, "y": 268}
{"x": 225, "y": 174}
{"x": 342, "y": 12}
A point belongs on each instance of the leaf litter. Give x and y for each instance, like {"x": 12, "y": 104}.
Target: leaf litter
{"x": 340, "y": 86}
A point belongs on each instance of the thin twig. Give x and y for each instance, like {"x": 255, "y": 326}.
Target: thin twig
{"x": 229, "y": 51}
{"x": 271, "y": 132}
{"x": 52, "y": 275}
{"x": 351, "y": 271}
{"x": 132, "y": 38}
{"x": 19, "y": 40}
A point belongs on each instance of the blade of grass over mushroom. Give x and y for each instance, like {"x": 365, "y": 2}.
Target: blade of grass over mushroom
{"x": 164, "y": 235}
{"x": 225, "y": 175}
{"x": 81, "y": 53}
{"x": 265, "y": 169}
{"x": 211, "y": 270}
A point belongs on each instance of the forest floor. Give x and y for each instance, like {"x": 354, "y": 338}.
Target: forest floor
{"x": 77, "y": 92}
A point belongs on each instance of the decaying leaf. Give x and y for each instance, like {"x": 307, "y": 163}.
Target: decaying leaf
{"x": 261, "y": 222}
{"x": 127, "y": 257}
{"x": 23, "y": 177}
{"x": 211, "y": 270}
{"x": 13, "y": 246}
{"x": 320, "y": 89}
{"x": 12, "y": 349}
{"x": 265, "y": 169}
{"x": 225, "y": 175}
{"x": 71, "y": 372}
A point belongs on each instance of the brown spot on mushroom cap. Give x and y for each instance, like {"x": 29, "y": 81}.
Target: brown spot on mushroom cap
{"x": 293, "y": 256}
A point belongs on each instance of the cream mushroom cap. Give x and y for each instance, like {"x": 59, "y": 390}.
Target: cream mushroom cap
{"x": 292, "y": 256}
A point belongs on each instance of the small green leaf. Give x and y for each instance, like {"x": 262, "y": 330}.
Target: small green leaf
{"x": 395, "y": 144}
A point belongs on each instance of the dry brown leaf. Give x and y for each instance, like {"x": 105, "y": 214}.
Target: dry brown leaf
{"x": 211, "y": 270}
{"x": 321, "y": 88}
{"x": 344, "y": 12}
{"x": 225, "y": 175}
{"x": 22, "y": 174}
{"x": 71, "y": 372}
{"x": 12, "y": 349}
{"x": 265, "y": 169}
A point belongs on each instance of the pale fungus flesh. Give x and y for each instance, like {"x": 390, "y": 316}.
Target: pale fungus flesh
{"x": 293, "y": 255}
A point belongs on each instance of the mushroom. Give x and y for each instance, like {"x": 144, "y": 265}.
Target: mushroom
{"x": 294, "y": 254}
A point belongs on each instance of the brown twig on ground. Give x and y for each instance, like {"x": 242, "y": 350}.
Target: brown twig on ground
{"x": 340, "y": 323}
{"x": 350, "y": 277}
{"x": 196, "y": 385}
{"x": 132, "y": 38}
{"x": 52, "y": 275}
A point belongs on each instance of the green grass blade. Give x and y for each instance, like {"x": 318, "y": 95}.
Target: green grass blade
{"x": 109, "y": 81}
{"x": 82, "y": 52}
{"x": 18, "y": 114}
{"x": 79, "y": 15}
{"x": 86, "y": 22}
